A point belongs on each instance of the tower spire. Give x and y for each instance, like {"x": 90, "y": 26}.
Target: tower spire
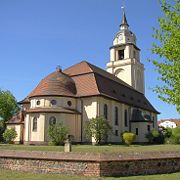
{"x": 124, "y": 24}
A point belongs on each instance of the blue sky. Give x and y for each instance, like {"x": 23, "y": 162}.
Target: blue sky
{"x": 38, "y": 35}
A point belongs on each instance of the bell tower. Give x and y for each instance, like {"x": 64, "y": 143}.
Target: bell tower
{"x": 125, "y": 58}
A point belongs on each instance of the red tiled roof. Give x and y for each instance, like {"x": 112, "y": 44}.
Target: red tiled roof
{"x": 84, "y": 79}
{"x": 91, "y": 80}
{"x": 57, "y": 84}
{"x": 17, "y": 118}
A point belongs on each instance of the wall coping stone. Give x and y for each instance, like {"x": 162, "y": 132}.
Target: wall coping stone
{"x": 88, "y": 157}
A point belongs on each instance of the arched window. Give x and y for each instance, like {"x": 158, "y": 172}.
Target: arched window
{"x": 105, "y": 111}
{"x": 125, "y": 118}
{"x": 52, "y": 120}
{"x": 116, "y": 116}
{"x": 34, "y": 128}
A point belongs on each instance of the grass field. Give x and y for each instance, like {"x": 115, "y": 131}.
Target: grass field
{"x": 94, "y": 149}
{"x": 11, "y": 175}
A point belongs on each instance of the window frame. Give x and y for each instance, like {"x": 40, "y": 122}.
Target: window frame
{"x": 106, "y": 111}
{"x": 125, "y": 118}
{"x": 120, "y": 54}
{"x": 116, "y": 133}
{"x": 38, "y": 103}
{"x": 137, "y": 131}
{"x": 34, "y": 124}
{"x": 53, "y": 102}
{"x": 116, "y": 116}
{"x": 52, "y": 120}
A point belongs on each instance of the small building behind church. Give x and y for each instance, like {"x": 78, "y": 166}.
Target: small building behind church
{"x": 84, "y": 91}
{"x": 169, "y": 123}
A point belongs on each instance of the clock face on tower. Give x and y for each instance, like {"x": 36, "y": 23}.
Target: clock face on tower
{"x": 120, "y": 37}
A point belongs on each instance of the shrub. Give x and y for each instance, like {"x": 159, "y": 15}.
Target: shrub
{"x": 176, "y": 134}
{"x": 128, "y": 138}
{"x": 98, "y": 128}
{"x": 170, "y": 140}
{"x": 155, "y": 136}
{"x": 167, "y": 132}
{"x": 2, "y": 130}
{"x": 57, "y": 133}
{"x": 9, "y": 135}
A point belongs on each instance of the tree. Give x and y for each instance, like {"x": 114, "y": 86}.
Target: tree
{"x": 9, "y": 135}
{"x": 57, "y": 133}
{"x": 8, "y": 106}
{"x": 168, "y": 48}
{"x": 128, "y": 138}
{"x": 176, "y": 134}
{"x": 98, "y": 128}
{"x": 2, "y": 129}
{"x": 155, "y": 136}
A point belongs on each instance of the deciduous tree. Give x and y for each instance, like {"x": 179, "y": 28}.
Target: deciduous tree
{"x": 8, "y": 106}
{"x": 98, "y": 128}
{"x": 167, "y": 47}
{"x": 58, "y": 133}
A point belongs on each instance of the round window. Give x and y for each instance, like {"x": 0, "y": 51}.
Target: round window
{"x": 52, "y": 120}
{"x": 69, "y": 103}
{"x": 38, "y": 102}
{"x": 53, "y": 102}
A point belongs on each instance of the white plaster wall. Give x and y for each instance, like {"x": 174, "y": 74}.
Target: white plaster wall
{"x": 90, "y": 110}
{"x": 142, "y": 130}
{"x": 125, "y": 74}
{"x": 39, "y": 134}
{"x": 71, "y": 121}
{"x": 46, "y": 102}
{"x": 112, "y": 54}
{"x": 111, "y": 117}
{"x": 26, "y": 128}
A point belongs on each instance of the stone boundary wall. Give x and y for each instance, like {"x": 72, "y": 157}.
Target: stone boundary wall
{"x": 91, "y": 164}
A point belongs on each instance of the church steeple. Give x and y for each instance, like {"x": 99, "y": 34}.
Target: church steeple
{"x": 125, "y": 57}
{"x": 124, "y": 24}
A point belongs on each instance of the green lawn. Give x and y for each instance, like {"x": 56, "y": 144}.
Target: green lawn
{"x": 94, "y": 149}
{"x": 11, "y": 175}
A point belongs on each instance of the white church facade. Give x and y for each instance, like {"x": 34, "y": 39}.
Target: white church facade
{"x": 84, "y": 91}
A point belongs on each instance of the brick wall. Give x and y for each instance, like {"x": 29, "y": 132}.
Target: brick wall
{"x": 88, "y": 164}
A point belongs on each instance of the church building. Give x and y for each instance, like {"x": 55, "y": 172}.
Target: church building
{"x": 84, "y": 91}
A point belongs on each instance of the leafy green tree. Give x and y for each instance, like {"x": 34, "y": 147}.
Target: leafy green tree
{"x": 168, "y": 132}
{"x": 176, "y": 134}
{"x": 2, "y": 129}
{"x": 57, "y": 133}
{"x": 128, "y": 138}
{"x": 168, "y": 48}
{"x": 8, "y": 106}
{"x": 98, "y": 128}
{"x": 9, "y": 135}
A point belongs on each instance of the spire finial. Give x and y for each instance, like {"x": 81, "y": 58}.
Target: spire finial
{"x": 58, "y": 68}
{"x": 124, "y": 23}
{"x": 123, "y": 6}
